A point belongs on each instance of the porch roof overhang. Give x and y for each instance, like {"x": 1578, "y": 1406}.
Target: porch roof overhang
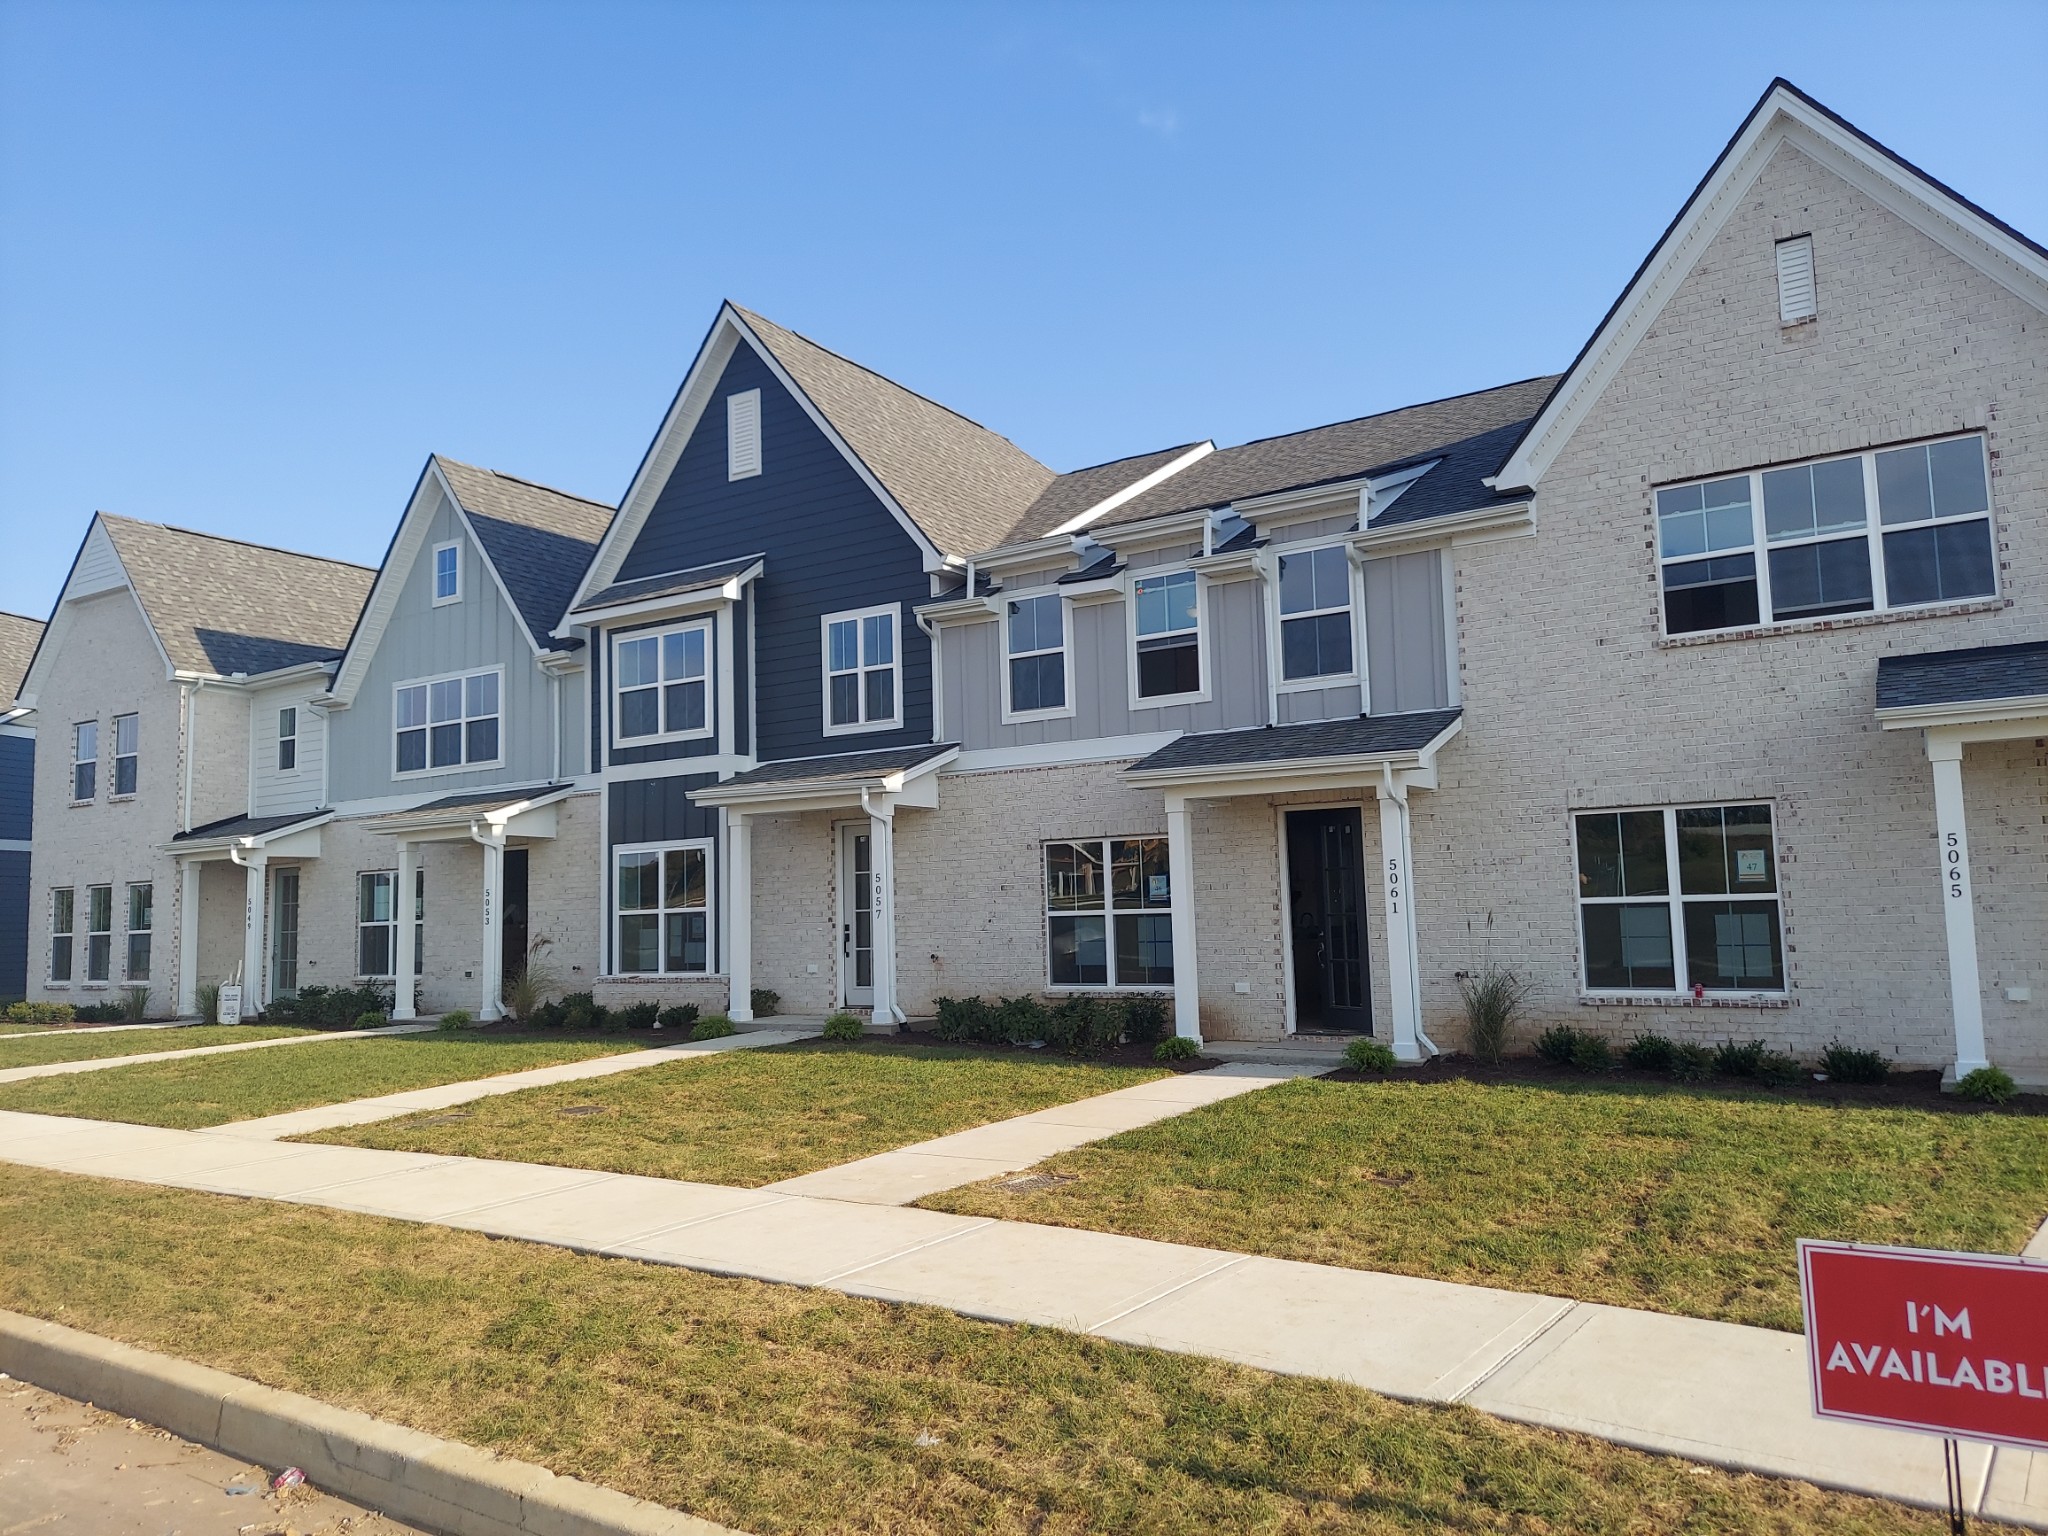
{"x": 528, "y": 812}
{"x": 1985, "y": 693}
{"x": 1324, "y": 754}
{"x": 699, "y": 585}
{"x": 293, "y": 835}
{"x": 904, "y": 775}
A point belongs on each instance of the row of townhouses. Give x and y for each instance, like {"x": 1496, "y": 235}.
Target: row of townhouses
{"x": 1704, "y": 686}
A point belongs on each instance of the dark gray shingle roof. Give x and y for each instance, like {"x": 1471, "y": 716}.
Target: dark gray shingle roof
{"x": 244, "y": 826}
{"x": 1963, "y": 677}
{"x": 837, "y": 769}
{"x": 1358, "y": 736}
{"x": 18, "y": 637}
{"x": 668, "y": 584}
{"x": 478, "y": 800}
{"x": 962, "y": 484}
{"x": 223, "y": 606}
{"x": 540, "y": 539}
{"x": 1076, "y": 491}
{"x": 1347, "y": 450}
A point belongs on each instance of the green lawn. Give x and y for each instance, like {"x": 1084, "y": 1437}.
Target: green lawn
{"x": 780, "y": 1409}
{"x": 752, "y": 1117}
{"x": 213, "y": 1090}
{"x": 1673, "y": 1200}
{"x": 71, "y": 1046}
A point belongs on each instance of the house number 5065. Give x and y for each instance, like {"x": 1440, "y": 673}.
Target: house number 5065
{"x": 1953, "y": 873}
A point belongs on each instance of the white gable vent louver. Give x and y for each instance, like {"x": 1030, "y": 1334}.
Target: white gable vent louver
{"x": 1796, "y": 300}
{"x": 743, "y": 434}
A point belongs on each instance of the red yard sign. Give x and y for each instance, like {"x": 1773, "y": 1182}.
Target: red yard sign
{"x": 1945, "y": 1343}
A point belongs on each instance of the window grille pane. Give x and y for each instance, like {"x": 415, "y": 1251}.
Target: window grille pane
{"x": 878, "y": 640}
{"x": 1725, "y": 849}
{"x": 125, "y": 731}
{"x": 1939, "y": 564}
{"x": 688, "y": 949}
{"x": 86, "y": 741}
{"x": 1078, "y": 951}
{"x": 1903, "y": 492}
{"x": 1144, "y": 951}
{"x": 99, "y": 954}
{"x": 480, "y": 694}
{"x": 99, "y": 908}
{"x": 124, "y": 775}
{"x": 373, "y": 898}
{"x": 1074, "y": 877}
{"x": 682, "y": 655}
{"x": 1710, "y": 594}
{"x": 844, "y": 647}
{"x": 1733, "y": 946}
{"x": 1167, "y": 670}
{"x": 639, "y": 713}
{"x": 1139, "y": 873}
{"x": 81, "y": 781}
{"x": 60, "y": 958}
{"x": 683, "y": 883}
{"x": 1814, "y": 580}
{"x": 1316, "y": 647}
{"x": 412, "y": 751}
{"x": 1628, "y": 948}
{"x": 1956, "y": 469}
{"x": 881, "y": 693}
{"x": 444, "y": 700}
{"x": 639, "y": 875}
{"x": 373, "y": 950}
{"x": 1038, "y": 682}
{"x": 1297, "y": 583}
{"x": 685, "y": 706}
{"x": 482, "y": 746}
{"x": 640, "y": 943}
{"x": 412, "y": 706}
{"x": 141, "y": 907}
{"x": 138, "y": 957}
{"x": 1166, "y": 604}
{"x": 446, "y": 745}
{"x": 61, "y": 909}
{"x": 846, "y": 698}
{"x": 638, "y": 660}
{"x": 1622, "y": 854}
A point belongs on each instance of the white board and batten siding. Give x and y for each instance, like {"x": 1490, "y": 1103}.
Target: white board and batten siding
{"x": 276, "y": 791}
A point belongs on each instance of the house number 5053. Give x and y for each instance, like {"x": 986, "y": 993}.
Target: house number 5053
{"x": 1953, "y": 859}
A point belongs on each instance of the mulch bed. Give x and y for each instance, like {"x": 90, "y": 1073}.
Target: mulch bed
{"x": 1903, "y": 1090}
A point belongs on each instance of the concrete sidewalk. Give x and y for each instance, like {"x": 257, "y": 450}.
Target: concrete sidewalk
{"x": 88, "y": 1029}
{"x": 988, "y": 1151}
{"x": 102, "y": 1063}
{"x": 1708, "y": 1391}
{"x": 387, "y": 1106}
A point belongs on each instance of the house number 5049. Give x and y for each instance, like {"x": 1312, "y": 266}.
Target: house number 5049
{"x": 1953, "y": 859}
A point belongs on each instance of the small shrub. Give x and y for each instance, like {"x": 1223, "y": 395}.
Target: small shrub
{"x": 1776, "y": 1069}
{"x": 1648, "y": 1053}
{"x": 40, "y": 1013}
{"x": 1987, "y": 1085}
{"x": 457, "y": 1018}
{"x": 1020, "y": 1021}
{"x": 549, "y": 1015}
{"x": 766, "y": 1002}
{"x": 713, "y": 1026}
{"x": 1493, "y": 1001}
{"x": 1146, "y": 1019}
{"x": 134, "y": 1005}
{"x": 964, "y": 1019}
{"x": 580, "y": 1010}
{"x": 1848, "y": 1064}
{"x": 319, "y": 1007}
{"x": 634, "y": 1016}
{"x": 1081, "y": 1025}
{"x": 1591, "y": 1053}
{"x": 1176, "y": 1048}
{"x": 206, "y": 1000}
{"x": 1691, "y": 1063}
{"x": 1559, "y": 1043}
{"x": 1368, "y": 1056}
{"x": 1732, "y": 1060}
{"x": 372, "y": 1018}
{"x": 844, "y": 1026}
{"x": 680, "y": 1016}
{"x": 526, "y": 990}
{"x": 100, "y": 1013}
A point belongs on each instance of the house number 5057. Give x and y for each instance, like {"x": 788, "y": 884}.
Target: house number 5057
{"x": 1953, "y": 873}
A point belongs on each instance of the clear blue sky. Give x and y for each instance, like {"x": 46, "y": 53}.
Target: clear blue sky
{"x": 257, "y": 261}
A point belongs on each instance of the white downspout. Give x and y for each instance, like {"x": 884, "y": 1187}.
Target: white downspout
{"x": 1404, "y": 969}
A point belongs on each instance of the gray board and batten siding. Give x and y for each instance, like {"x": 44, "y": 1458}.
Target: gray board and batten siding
{"x": 420, "y": 641}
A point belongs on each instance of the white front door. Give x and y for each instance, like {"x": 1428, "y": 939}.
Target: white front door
{"x": 856, "y": 917}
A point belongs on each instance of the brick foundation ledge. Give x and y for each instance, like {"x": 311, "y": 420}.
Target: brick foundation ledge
{"x": 442, "y": 1485}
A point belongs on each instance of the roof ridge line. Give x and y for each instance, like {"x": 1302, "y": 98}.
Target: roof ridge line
{"x": 228, "y": 538}
{"x": 1463, "y": 394}
{"x": 538, "y": 485}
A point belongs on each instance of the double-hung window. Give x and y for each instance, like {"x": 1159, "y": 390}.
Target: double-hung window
{"x": 141, "y": 917}
{"x": 99, "y": 932}
{"x": 127, "y": 733}
{"x": 447, "y": 723}
{"x": 85, "y": 760}
{"x": 663, "y": 683}
{"x": 377, "y": 922}
{"x": 287, "y": 740}
{"x": 1822, "y": 552}
{"x": 1109, "y": 913}
{"x": 447, "y": 573}
{"x": 1315, "y": 613}
{"x": 664, "y": 911}
{"x": 1036, "y": 636}
{"x": 63, "y": 923}
{"x": 1168, "y": 635}
{"x": 1715, "y": 926}
{"x": 861, "y": 692}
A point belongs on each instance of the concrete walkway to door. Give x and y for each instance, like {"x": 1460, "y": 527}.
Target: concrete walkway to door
{"x": 1712, "y": 1392}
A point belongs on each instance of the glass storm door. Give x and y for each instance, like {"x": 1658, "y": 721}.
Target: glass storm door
{"x": 856, "y": 918}
{"x": 1326, "y": 911}
{"x": 284, "y": 933}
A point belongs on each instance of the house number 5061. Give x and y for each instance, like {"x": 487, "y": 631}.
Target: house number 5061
{"x": 1953, "y": 873}
{"x": 1394, "y": 886}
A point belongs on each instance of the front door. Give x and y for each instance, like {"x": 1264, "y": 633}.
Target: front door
{"x": 856, "y": 917}
{"x": 1326, "y": 913}
{"x": 512, "y": 921}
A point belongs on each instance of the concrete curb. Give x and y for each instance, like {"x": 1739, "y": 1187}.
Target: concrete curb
{"x": 440, "y": 1484}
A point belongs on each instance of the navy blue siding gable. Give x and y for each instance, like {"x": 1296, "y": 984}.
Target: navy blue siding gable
{"x": 830, "y": 545}
{"x": 17, "y": 783}
{"x": 13, "y": 925}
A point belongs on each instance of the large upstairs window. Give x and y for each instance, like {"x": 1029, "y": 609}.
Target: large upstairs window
{"x": 446, "y": 723}
{"x": 861, "y": 689}
{"x": 663, "y": 683}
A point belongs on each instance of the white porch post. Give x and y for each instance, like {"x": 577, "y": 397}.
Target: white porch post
{"x": 882, "y": 826}
{"x": 492, "y": 966}
{"x": 739, "y": 919}
{"x": 1958, "y": 905}
{"x": 257, "y": 870}
{"x": 403, "y": 985}
{"x": 1180, "y": 875}
{"x": 188, "y": 938}
{"x": 1404, "y": 982}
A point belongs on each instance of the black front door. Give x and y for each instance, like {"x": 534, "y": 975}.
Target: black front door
{"x": 1326, "y": 910}
{"x": 513, "y": 924}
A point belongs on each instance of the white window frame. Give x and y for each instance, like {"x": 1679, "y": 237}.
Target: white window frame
{"x": 68, "y": 935}
{"x": 1011, "y": 715}
{"x": 419, "y": 923}
{"x": 133, "y": 759}
{"x": 104, "y": 935}
{"x": 661, "y": 912}
{"x": 857, "y": 616}
{"x": 1354, "y": 589}
{"x": 742, "y": 410}
{"x": 441, "y": 599}
{"x": 1875, "y": 528}
{"x": 78, "y": 762}
{"x": 288, "y": 738}
{"x": 430, "y": 771}
{"x": 144, "y": 932}
{"x": 709, "y": 625}
{"x": 1104, "y": 848}
{"x": 1202, "y": 657}
{"x": 1675, "y": 900}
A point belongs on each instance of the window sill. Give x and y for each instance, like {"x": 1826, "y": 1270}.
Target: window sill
{"x": 871, "y": 728}
{"x": 1839, "y": 621}
{"x": 1135, "y": 989}
{"x": 1684, "y": 1000}
{"x": 651, "y": 978}
{"x": 1310, "y": 684}
{"x": 79, "y": 805}
{"x": 408, "y": 775}
{"x": 119, "y": 799}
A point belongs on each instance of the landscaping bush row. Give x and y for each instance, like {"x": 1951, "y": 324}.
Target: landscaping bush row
{"x": 581, "y": 1011}
{"x": 331, "y": 1007}
{"x": 1074, "y": 1026}
{"x": 1564, "y": 1046}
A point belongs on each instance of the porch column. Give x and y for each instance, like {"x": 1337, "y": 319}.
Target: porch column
{"x": 403, "y": 985}
{"x": 739, "y": 917}
{"x": 1404, "y": 983}
{"x": 1958, "y": 905}
{"x": 882, "y": 827}
{"x": 188, "y": 938}
{"x": 1180, "y": 876}
{"x": 492, "y": 968}
{"x": 256, "y": 867}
